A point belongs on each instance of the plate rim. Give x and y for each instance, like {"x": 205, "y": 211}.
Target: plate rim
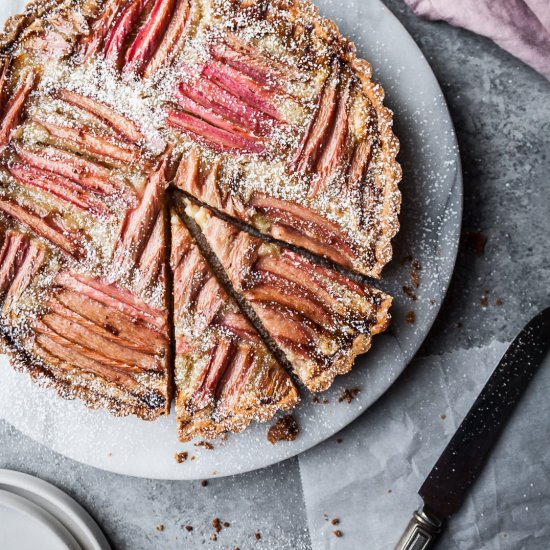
{"x": 84, "y": 529}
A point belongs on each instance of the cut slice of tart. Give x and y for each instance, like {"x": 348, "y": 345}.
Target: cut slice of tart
{"x": 321, "y": 319}
{"x": 225, "y": 377}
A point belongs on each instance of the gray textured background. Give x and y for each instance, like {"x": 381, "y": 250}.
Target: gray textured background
{"x": 501, "y": 110}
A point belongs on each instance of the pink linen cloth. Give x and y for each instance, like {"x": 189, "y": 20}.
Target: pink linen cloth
{"x": 522, "y": 27}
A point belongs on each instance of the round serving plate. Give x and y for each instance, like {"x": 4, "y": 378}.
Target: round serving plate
{"x": 430, "y": 230}
{"x": 35, "y": 514}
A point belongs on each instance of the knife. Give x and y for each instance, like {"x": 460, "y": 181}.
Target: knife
{"x": 462, "y": 460}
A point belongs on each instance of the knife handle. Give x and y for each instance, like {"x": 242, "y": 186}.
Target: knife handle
{"x": 421, "y": 533}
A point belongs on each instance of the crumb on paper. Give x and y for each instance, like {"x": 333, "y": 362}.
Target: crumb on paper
{"x": 349, "y": 395}
{"x": 217, "y": 525}
{"x": 335, "y": 521}
{"x": 285, "y": 429}
{"x": 204, "y": 483}
{"x": 188, "y": 528}
{"x": 160, "y": 527}
{"x": 339, "y": 440}
{"x": 337, "y": 533}
{"x": 258, "y": 535}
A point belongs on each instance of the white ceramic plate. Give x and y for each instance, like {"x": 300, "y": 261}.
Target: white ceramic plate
{"x": 26, "y": 526}
{"x": 432, "y": 204}
{"x": 36, "y": 514}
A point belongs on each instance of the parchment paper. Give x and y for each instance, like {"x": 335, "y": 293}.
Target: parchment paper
{"x": 370, "y": 480}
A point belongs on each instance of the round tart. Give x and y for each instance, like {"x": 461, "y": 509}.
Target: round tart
{"x": 186, "y": 188}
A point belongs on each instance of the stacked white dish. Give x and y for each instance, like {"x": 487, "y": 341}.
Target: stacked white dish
{"x": 35, "y": 514}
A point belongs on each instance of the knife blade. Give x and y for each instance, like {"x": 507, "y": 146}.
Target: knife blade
{"x": 459, "y": 465}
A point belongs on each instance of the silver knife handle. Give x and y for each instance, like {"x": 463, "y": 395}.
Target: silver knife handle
{"x": 421, "y": 533}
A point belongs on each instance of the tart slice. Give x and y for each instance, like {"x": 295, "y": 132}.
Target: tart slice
{"x": 321, "y": 319}
{"x": 225, "y": 376}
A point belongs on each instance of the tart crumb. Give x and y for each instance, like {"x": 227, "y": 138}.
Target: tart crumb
{"x": 285, "y": 429}
{"x": 205, "y": 444}
{"x": 204, "y": 483}
{"x": 349, "y": 395}
{"x": 160, "y": 527}
{"x": 335, "y": 521}
{"x": 410, "y": 317}
{"x": 258, "y": 535}
{"x": 338, "y": 533}
{"x": 475, "y": 241}
{"x": 181, "y": 457}
{"x": 217, "y": 524}
{"x": 188, "y": 528}
{"x": 409, "y": 292}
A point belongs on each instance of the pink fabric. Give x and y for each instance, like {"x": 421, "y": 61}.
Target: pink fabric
{"x": 521, "y": 27}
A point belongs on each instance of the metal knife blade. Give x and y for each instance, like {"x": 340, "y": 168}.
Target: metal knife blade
{"x": 462, "y": 460}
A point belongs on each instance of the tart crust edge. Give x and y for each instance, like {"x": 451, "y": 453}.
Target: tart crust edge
{"x": 22, "y": 361}
{"x": 391, "y": 176}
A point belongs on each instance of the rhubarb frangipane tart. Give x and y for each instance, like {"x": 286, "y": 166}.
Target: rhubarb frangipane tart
{"x": 321, "y": 319}
{"x": 225, "y": 377}
{"x": 258, "y": 110}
